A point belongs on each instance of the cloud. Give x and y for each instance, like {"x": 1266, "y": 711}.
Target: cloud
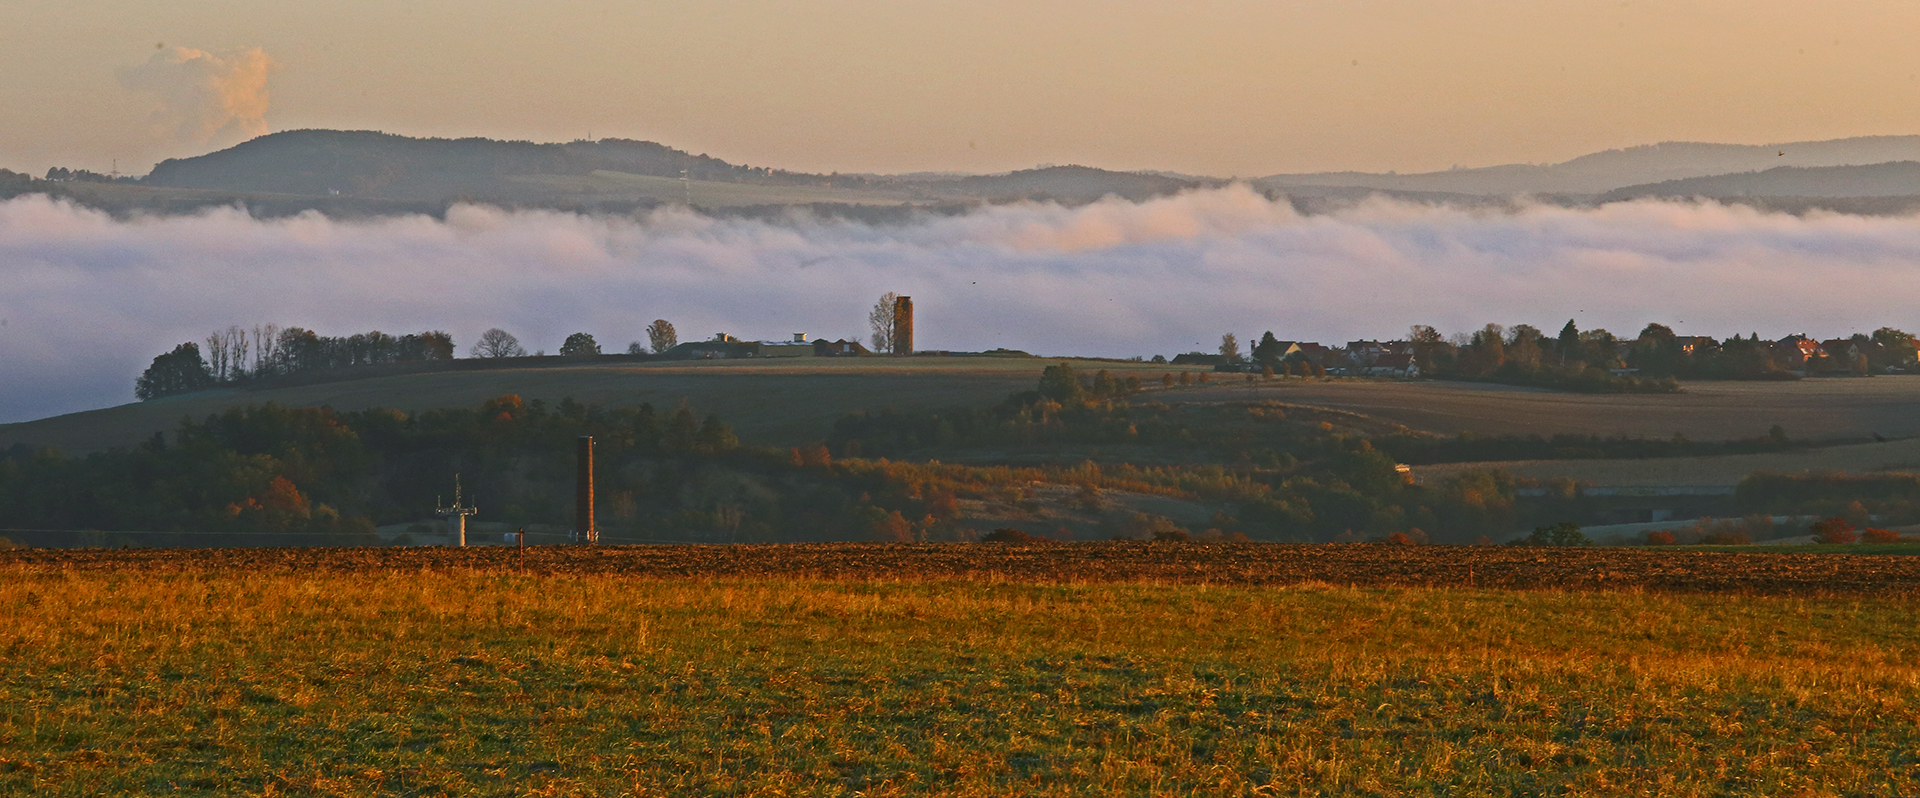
{"x": 91, "y": 299}
{"x": 205, "y": 97}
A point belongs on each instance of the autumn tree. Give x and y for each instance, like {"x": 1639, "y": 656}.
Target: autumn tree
{"x": 881, "y": 320}
{"x": 1523, "y": 348}
{"x": 579, "y": 345}
{"x": 178, "y": 371}
{"x": 1485, "y": 352}
{"x": 1230, "y": 348}
{"x": 1430, "y": 348}
{"x": 662, "y": 336}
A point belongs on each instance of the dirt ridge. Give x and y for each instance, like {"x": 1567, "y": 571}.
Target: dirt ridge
{"x": 1363, "y": 565}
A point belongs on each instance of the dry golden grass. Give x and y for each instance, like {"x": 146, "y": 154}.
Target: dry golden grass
{"x": 451, "y": 682}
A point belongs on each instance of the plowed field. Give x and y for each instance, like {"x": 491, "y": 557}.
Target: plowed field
{"x": 1232, "y": 564}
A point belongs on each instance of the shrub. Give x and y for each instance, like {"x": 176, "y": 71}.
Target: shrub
{"x": 1141, "y": 526}
{"x": 1565, "y": 533}
{"x": 1872, "y": 535}
{"x": 1010, "y": 535}
{"x": 1834, "y": 532}
{"x": 1400, "y": 539}
{"x": 1661, "y": 538}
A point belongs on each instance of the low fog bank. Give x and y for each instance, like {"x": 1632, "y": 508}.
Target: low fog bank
{"x": 89, "y": 299}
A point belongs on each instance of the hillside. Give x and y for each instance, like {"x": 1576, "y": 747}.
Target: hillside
{"x": 1896, "y": 179}
{"x": 1066, "y": 184}
{"x": 349, "y": 173}
{"x": 383, "y": 165}
{"x": 782, "y": 402}
{"x": 1612, "y": 169}
{"x": 367, "y": 165}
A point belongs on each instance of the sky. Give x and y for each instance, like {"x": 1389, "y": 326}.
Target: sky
{"x": 1217, "y": 87}
{"x": 89, "y": 300}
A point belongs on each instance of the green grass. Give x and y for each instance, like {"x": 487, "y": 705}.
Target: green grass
{"x": 780, "y": 402}
{"x": 1818, "y": 409}
{"x": 459, "y": 683}
{"x": 1908, "y": 549}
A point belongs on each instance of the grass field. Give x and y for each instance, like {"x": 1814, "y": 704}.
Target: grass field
{"x": 1809, "y": 409}
{"x": 456, "y": 681}
{"x": 777, "y": 401}
{"x": 1900, "y": 455}
{"x": 794, "y": 401}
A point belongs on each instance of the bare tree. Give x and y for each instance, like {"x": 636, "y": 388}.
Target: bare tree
{"x": 881, "y": 320}
{"x": 237, "y": 348}
{"x": 661, "y": 334}
{"x": 498, "y": 343}
{"x": 264, "y": 338}
{"x": 217, "y": 356}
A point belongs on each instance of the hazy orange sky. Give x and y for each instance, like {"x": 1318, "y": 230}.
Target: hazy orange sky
{"x": 1201, "y": 86}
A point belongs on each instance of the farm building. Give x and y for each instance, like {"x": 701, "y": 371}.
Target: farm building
{"x": 798, "y": 347}
{"x": 1397, "y": 365}
{"x": 1200, "y": 359}
{"x": 826, "y": 348}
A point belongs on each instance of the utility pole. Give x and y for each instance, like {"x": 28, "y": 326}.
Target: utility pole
{"x": 583, "y": 530}
{"x": 456, "y": 515}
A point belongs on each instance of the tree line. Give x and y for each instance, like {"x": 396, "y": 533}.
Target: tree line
{"x": 1599, "y": 361}
{"x": 237, "y": 355}
{"x": 1657, "y": 352}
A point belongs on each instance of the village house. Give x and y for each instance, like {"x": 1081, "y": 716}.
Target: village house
{"x": 1797, "y": 349}
{"x": 1689, "y": 343}
{"x": 1392, "y": 365}
{"x": 1363, "y": 353}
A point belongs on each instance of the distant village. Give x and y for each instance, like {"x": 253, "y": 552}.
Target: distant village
{"x": 1592, "y": 360}
{"x": 1656, "y": 352}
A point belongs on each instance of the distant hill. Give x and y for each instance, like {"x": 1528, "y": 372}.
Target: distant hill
{"x": 1066, "y": 184}
{"x": 382, "y": 165}
{"x": 372, "y": 173}
{"x": 1601, "y": 172}
{"x": 1898, "y": 179}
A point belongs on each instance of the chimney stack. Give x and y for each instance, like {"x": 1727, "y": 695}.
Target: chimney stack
{"x": 583, "y": 530}
{"x": 903, "y": 325}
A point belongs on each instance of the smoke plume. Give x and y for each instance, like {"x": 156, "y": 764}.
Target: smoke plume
{"x": 90, "y": 300}
{"x": 205, "y": 97}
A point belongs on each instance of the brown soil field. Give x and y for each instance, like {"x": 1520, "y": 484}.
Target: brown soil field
{"x": 775, "y": 402}
{"x": 1499, "y": 567}
{"x": 1822, "y": 408}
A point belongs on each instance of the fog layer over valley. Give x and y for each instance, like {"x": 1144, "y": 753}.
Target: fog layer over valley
{"x": 89, "y": 299}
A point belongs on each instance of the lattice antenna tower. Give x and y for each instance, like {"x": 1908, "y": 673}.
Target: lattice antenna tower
{"x": 456, "y": 515}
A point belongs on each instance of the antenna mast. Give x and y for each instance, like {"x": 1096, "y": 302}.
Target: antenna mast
{"x": 456, "y": 515}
